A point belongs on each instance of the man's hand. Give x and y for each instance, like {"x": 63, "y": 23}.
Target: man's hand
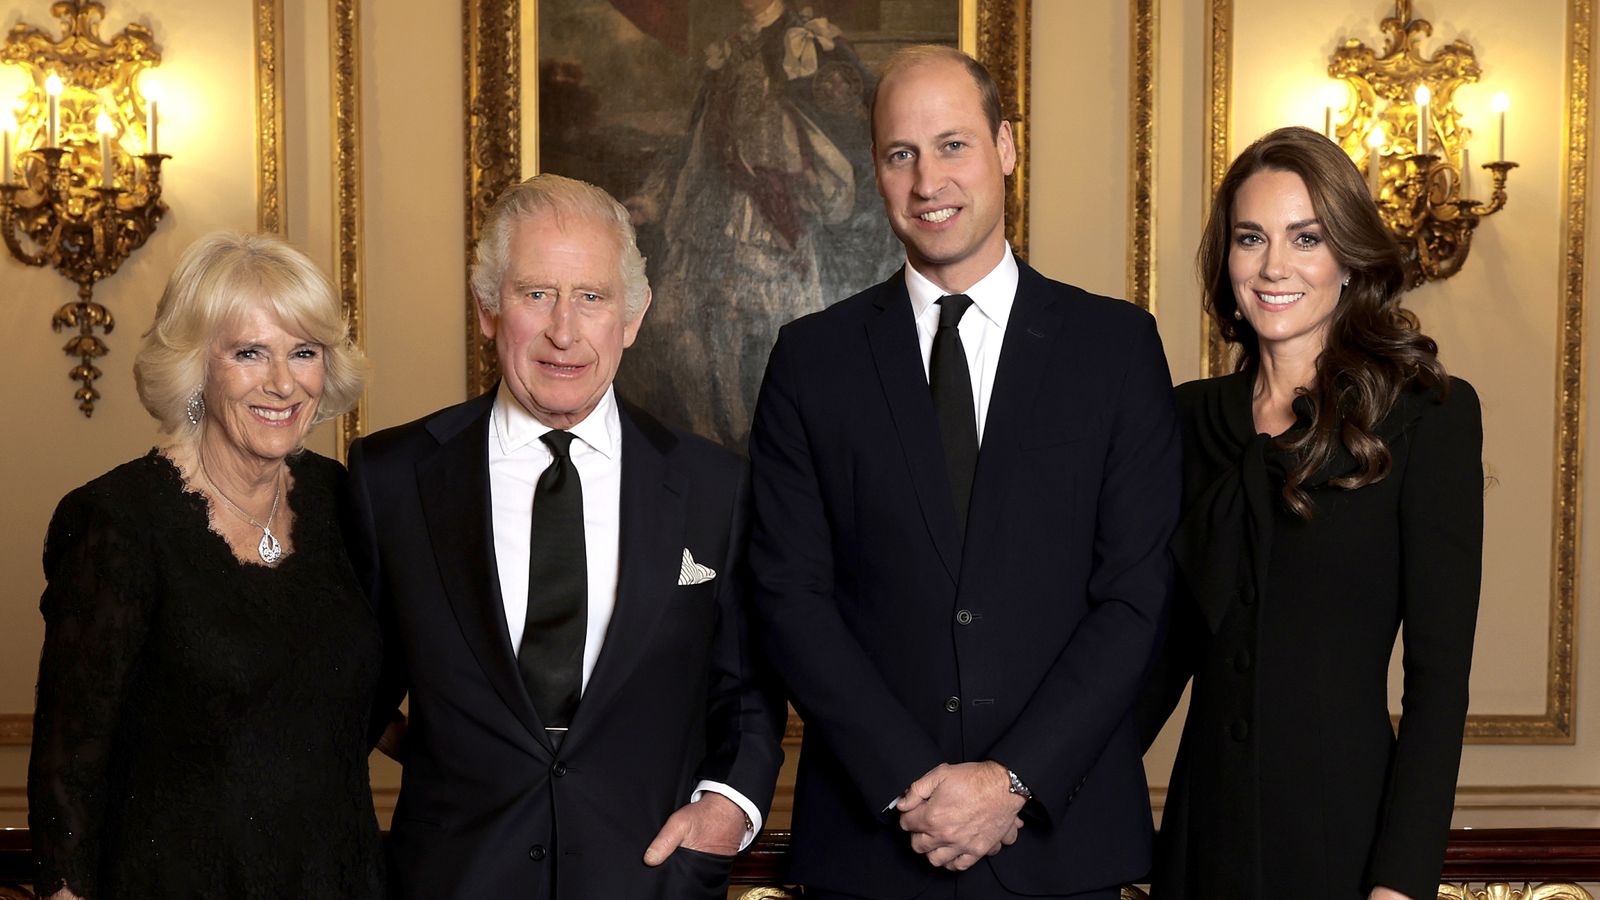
{"x": 712, "y": 824}
{"x": 959, "y": 814}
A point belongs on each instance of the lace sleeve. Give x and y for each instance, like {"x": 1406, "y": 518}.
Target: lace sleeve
{"x": 97, "y": 606}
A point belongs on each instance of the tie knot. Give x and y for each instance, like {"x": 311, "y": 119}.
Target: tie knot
{"x": 951, "y": 308}
{"x": 559, "y": 442}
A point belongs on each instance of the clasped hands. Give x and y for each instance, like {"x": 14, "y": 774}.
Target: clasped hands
{"x": 958, "y": 814}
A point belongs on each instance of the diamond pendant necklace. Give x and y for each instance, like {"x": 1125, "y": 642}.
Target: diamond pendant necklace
{"x": 270, "y": 550}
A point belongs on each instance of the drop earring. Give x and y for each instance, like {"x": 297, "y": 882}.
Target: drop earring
{"x": 1237, "y": 314}
{"x": 195, "y": 409}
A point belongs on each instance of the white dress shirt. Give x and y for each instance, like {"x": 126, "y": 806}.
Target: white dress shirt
{"x": 983, "y": 328}
{"x": 517, "y": 457}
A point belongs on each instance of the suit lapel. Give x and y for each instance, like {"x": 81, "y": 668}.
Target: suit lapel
{"x": 1024, "y": 352}
{"x": 650, "y": 551}
{"x": 454, "y": 487}
{"x": 892, "y": 336}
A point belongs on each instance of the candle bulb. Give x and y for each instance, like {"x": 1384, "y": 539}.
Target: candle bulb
{"x": 1501, "y": 104}
{"x": 1466, "y": 172}
{"x": 1375, "y": 142}
{"x": 8, "y": 126}
{"x": 108, "y": 163}
{"x": 1334, "y": 96}
{"x": 150, "y": 87}
{"x": 1423, "y": 97}
{"x": 1327, "y": 122}
{"x": 52, "y": 123}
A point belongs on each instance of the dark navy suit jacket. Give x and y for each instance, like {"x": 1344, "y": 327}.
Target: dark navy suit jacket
{"x": 906, "y": 642}
{"x": 487, "y": 807}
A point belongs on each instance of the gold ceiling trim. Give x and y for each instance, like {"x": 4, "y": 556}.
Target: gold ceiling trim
{"x": 1142, "y": 43}
{"x": 345, "y": 23}
{"x": 271, "y": 185}
{"x": 1555, "y": 725}
{"x": 492, "y": 101}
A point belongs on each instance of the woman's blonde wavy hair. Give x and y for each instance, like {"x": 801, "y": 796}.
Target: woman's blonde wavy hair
{"x": 219, "y": 279}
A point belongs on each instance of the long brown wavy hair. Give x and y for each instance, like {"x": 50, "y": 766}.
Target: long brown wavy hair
{"x": 1375, "y": 349}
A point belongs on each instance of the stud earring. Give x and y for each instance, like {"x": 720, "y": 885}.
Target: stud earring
{"x": 1347, "y": 281}
{"x": 1237, "y": 314}
{"x": 195, "y": 409}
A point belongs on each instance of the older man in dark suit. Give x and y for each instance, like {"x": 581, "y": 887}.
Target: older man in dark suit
{"x": 964, "y": 478}
{"x": 561, "y": 581}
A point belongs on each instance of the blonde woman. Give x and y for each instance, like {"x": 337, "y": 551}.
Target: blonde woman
{"x": 209, "y": 659}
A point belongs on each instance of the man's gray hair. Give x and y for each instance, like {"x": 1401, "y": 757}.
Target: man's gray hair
{"x": 556, "y": 195}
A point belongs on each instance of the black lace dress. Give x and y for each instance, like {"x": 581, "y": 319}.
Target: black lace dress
{"x": 201, "y": 727}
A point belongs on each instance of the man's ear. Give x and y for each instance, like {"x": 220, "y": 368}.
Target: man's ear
{"x": 1007, "y": 145}
{"x": 488, "y": 322}
{"x": 630, "y": 331}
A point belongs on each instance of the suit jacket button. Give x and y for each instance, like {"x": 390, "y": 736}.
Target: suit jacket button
{"x": 1239, "y": 730}
{"x": 1247, "y": 595}
{"x": 964, "y": 617}
{"x": 1241, "y": 661}
{"x": 953, "y": 704}
{"x": 536, "y": 852}
{"x": 559, "y": 770}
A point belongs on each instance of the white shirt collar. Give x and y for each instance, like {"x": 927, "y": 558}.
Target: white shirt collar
{"x": 993, "y": 294}
{"x": 516, "y": 428}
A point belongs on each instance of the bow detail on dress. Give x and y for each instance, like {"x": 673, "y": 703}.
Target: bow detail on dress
{"x": 800, "y": 45}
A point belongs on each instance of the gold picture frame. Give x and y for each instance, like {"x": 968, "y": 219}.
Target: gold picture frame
{"x": 995, "y": 31}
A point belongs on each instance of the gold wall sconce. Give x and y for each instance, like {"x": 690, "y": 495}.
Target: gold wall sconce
{"x": 1399, "y": 123}
{"x": 80, "y": 178}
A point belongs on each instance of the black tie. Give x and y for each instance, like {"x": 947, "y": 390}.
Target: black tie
{"x": 551, "y": 653}
{"x": 952, "y": 400}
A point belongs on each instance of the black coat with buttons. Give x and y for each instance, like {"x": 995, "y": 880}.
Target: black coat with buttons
{"x": 1290, "y": 781}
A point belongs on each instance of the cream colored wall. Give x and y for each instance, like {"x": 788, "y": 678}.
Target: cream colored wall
{"x": 411, "y": 74}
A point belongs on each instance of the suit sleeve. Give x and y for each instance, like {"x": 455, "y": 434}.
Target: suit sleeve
{"x": 834, "y": 684}
{"x": 361, "y": 541}
{"x": 1441, "y": 534}
{"x": 1091, "y": 687}
{"x": 746, "y": 715}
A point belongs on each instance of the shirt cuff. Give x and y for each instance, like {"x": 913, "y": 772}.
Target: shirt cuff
{"x": 739, "y": 800}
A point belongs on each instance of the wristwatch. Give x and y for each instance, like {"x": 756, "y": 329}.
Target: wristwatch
{"x": 1017, "y": 787}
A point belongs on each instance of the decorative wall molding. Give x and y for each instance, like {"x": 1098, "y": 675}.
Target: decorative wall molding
{"x": 1214, "y": 357}
{"x": 1003, "y": 46}
{"x": 271, "y": 147}
{"x": 345, "y": 52}
{"x": 1142, "y": 53}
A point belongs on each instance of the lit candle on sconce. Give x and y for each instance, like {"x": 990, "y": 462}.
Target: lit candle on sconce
{"x": 150, "y": 87}
{"x": 8, "y": 127}
{"x": 1423, "y": 98}
{"x": 52, "y": 122}
{"x": 1501, "y": 104}
{"x": 108, "y": 163}
{"x": 1333, "y": 97}
{"x": 1375, "y": 141}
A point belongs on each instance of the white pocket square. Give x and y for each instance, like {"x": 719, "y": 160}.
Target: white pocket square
{"x": 692, "y": 572}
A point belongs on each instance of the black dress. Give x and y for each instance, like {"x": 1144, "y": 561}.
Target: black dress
{"x": 201, "y": 726}
{"x": 1289, "y": 780}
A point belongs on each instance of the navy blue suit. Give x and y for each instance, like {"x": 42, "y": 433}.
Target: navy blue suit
{"x": 906, "y": 642}
{"x": 488, "y": 807}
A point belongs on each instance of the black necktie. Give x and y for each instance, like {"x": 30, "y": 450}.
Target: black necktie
{"x": 952, "y": 400}
{"x": 551, "y": 653}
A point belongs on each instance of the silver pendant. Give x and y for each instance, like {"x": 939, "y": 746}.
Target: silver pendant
{"x": 271, "y": 551}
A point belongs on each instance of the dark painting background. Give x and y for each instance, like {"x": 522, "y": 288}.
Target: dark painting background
{"x": 743, "y": 155}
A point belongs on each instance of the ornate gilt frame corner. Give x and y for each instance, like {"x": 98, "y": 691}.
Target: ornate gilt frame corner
{"x": 492, "y": 102}
{"x": 1005, "y": 48}
{"x": 271, "y": 186}
{"x": 493, "y": 121}
{"x": 345, "y": 65}
{"x": 1556, "y": 724}
{"x": 1142, "y": 51}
